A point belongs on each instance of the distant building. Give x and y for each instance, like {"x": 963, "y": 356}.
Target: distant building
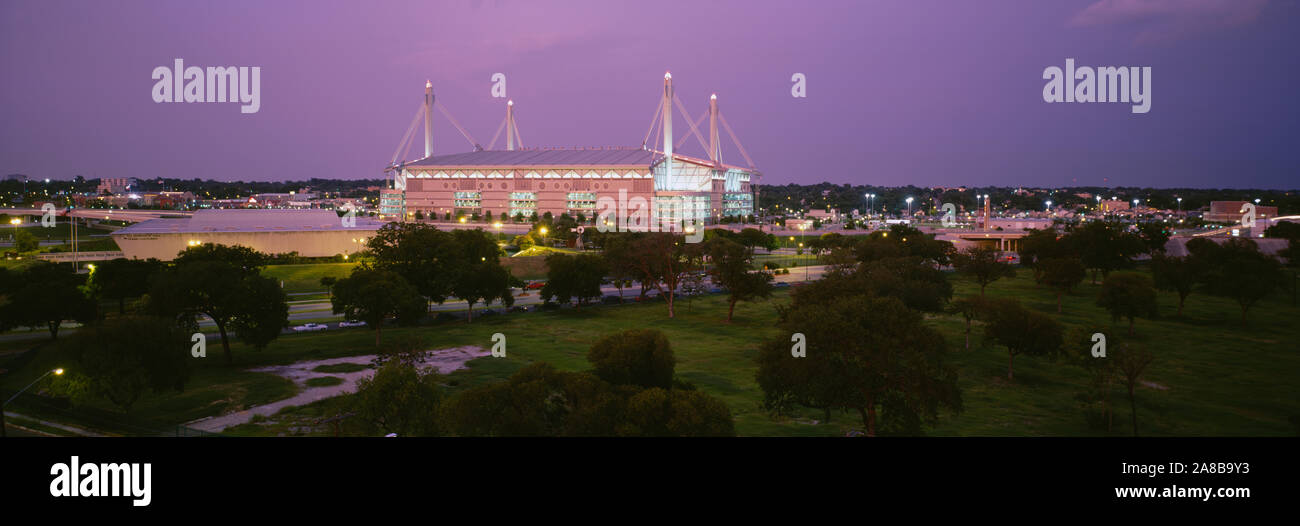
{"x": 310, "y": 233}
{"x": 824, "y": 215}
{"x": 115, "y": 185}
{"x": 1114, "y": 205}
{"x": 1019, "y": 223}
{"x": 1230, "y": 211}
{"x": 16, "y": 177}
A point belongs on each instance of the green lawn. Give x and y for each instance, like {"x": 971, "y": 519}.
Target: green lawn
{"x": 1214, "y": 376}
{"x": 306, "y": 277}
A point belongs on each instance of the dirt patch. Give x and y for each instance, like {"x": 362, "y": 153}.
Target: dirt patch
{"x": 445, "y": 360}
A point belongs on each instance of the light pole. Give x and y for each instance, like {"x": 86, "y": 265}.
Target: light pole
{"x": 543, "y": 232}
{"x": 1049, "y": 205}
{"x": 803, "y": 227}
{"x": 1180, "y": 205}
{"x": 909, "y": 207}
{"x": 56, "y": 372}
{"x": 497, "y": 225}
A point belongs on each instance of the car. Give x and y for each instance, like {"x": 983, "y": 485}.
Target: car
{"x": 611, "y": 299}
{"x": 519, "y": 308}
{"x": 782, "y": 284}
{"x": 535, "y": 285}
{"x": 351, "y": 323}
{"x": 310, "y": 327}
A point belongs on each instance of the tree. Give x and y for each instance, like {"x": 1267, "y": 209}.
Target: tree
{"x": 263, "y": 315}
{"x": 969, "y": 308}
{"x": 46, "y": 294}
{"x": 401, "y": 399}
{"x": 1153, "y": 237}
{"x": 423, "y": 255}
{"x": 1062, "y": 275}
{"x": 1041, "y": 244}
{"x": 1021, "y": 331}
{"x": 1128, "y": 295}
{"x": 640, "y": 357}
{"x": 1177, "y": 274}
{"x": 731, "y": 271}
{"x": 328, "y": 282}
{"x": 486, "y": 282}
{"x": 225, "y": 284}
{"x": 619, "y": 256}
{"x": 664, "y": 412}
{"x": 573, "y": 277}
{"x": 1130, "y": 363}
{"x": 539, "y": 401}
{"x": 981, "y": 264}
{"x": 372, "y": 295}
{"x": 126, "y": 356}
{"x": 472, "y": 259}
{"x": 25, "y": 241}
{"x": 121, "y": 278}
{"x": 661, "y": 260}
{"x": 1101, "y": 369}
{"x": 862, "y": 353}
{"x": 753, "y": 238}
{"x": 1238, "y": 270}
{"x": 1103, "y": 247}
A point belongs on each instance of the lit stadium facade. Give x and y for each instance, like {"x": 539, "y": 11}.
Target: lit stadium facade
{"x": 535, "y": 181}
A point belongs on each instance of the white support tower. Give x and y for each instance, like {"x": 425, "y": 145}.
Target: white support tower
{"x": 428, "y": 118}
{"x": 510, "y": 125}
{"x": 715, "y": 145}
{"x": 668, "y": 127}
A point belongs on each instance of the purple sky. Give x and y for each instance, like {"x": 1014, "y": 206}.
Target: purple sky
{"x": 906, "y": 92}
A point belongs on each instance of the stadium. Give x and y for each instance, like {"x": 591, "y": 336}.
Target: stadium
{"x": 532, "y": 182}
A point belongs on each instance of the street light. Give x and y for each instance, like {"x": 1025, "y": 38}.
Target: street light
{"x": 55, "y": 372}
{"x": 1180, "y": 204}
{"x": 909, "y": 206}
{"x": 497, "y": 225}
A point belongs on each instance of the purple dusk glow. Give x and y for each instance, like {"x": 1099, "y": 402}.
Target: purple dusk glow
{"x": 906, "y": 92}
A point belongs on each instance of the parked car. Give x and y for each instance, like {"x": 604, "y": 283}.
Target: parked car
{"x": 782, "y": 284}
{"x": 535, "y": 285}
{"x": 310, "y": 327}
{"x": 351, "y": 323}
{"x": 611, "y": 299}
{"x": 519, "y": 308}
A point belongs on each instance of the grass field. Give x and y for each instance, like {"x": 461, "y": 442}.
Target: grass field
{"x": 306, "y": 277}
{"x": 1211, "y": 375}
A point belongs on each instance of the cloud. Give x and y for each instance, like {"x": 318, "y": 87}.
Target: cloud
{"x": 1163, "y": 21}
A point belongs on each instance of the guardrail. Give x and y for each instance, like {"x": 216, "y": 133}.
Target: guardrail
{"x": 62, "y": 257}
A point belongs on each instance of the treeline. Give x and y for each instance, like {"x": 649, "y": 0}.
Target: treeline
{"x": 147, "y": 343}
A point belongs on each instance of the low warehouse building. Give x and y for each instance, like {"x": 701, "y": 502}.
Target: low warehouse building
{"x": 310, "y": 233}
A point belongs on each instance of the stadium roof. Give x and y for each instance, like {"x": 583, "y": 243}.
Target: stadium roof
{"x": 557, "y": 157}
{"x": 250, "y": 220}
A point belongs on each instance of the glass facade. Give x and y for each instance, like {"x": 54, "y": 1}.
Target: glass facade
{"x": 582, "y": 201}
{"x": 467, "y": 200}
{"x": 523, "y": 203}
